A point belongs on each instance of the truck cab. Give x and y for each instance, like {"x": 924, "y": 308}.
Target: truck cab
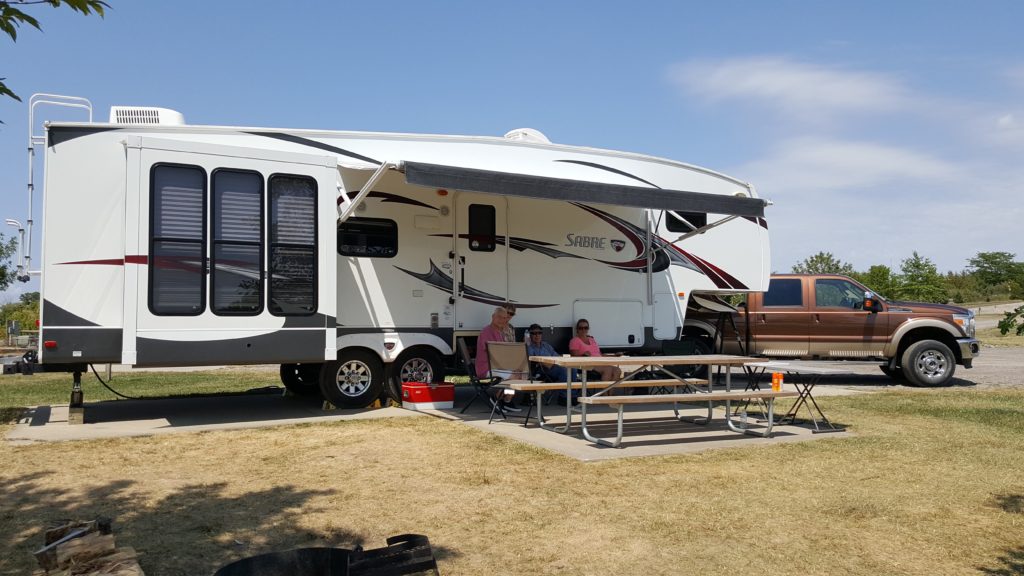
{"x": 833, "y": 317}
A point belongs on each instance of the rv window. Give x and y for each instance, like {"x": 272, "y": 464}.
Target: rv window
{"x": 177, "y": 231}
{"x": 784, "y": 292}
{"x": 293, "y": 249}
{"x": 368, "y": 237}
{"x": 236, "y": 281}
{"x": 481, "y": 228}
{"x": 684, "y": 222}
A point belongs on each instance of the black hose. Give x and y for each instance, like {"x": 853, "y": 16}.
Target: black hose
{"x": 116, "y": 393}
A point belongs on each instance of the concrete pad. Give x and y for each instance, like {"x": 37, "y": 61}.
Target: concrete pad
{"x": 648, "y": 430}
{"x": 120, "y": 418}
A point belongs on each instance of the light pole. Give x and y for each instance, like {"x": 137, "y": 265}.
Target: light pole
{"x": 21, "y": 275}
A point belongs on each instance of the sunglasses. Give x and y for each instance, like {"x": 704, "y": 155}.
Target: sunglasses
{"x": 535, "y": 333}
{"x": 583, "y": 327}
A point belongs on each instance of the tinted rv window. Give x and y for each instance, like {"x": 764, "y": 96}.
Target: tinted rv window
{"x": 371, "y": 237}
{"x": 236, "y": 281}
{"x": 685, "y": 221}
{"x": 293, "y": 249}
{"x": 481, "y": 228}
{"x": 177, "y": 231}
{"x": 784, "y": 292}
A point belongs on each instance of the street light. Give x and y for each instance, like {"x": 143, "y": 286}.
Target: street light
{"x": 21, "y": 243}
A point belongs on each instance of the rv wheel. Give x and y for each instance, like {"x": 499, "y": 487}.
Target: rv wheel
{"x": 698, "y": 347}
{"x": 354, "y": 380}
{"x": 420, "y": 364}
{"x": 301, "y": 379}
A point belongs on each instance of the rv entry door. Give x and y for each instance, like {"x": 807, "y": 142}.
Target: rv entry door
{"x": 230, "y": 255}
{"x": 481, "y": 258}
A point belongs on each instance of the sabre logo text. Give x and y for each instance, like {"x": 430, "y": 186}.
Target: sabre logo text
{"x": 577, "y": 241}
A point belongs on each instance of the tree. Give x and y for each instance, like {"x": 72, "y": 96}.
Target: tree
{"x": 7, "y": 269}
{"x": 11, "y": 19}
{"x": 880, "y": 279}
{"x": 921, "y": 281}
{"x": 1010, "y": 320}
{"x": 25, "y": 311}
{"x": 994, "y": 267}
{"x": 823, "y": 263}
{"x": 964, "y": 287}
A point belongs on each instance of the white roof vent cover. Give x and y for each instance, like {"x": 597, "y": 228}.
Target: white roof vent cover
{"x": 145, "y": 115}
{"x": 527, "y": 135}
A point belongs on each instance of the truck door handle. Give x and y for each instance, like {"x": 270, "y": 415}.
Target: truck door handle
{"x": 817, "y": 318}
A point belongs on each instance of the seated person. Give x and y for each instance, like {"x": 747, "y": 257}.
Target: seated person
{"x": 585, "y": 345}
{"x": 509, "y": 331}
{"x": 494, "y": 332}
{"x": 536, "y": 346}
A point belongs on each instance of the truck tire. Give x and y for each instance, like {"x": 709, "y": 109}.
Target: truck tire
{"x": 354, "y": 380}
{"x": 418, "y": 364}
{"x": 928, "y": 363}
{"x": 301, "y": 379}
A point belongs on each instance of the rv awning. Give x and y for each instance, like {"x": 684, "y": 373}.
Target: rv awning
{"x": 510, "y": 184}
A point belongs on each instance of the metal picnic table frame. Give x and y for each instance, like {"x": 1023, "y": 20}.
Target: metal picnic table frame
{"x": 639, "y": 364}
{"x": 804, "y": 378}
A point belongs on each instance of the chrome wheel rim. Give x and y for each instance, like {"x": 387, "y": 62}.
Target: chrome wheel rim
{"x": 931, "y": 364}
{"x": 416, "y": 370}
{"x": 353, "y": 378}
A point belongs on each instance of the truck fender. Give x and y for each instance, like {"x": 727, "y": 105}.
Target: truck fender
{"x": 377, "y": 341}
{"x": 893, "y": 346}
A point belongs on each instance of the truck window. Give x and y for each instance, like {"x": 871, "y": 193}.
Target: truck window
{"x": 784, "y": 292}
{"x": 837, "y": 293}
{"x": 293, "y": 249}
{"x": 177, "y": 240}
{"x": 236, "y": 280}
{"x": 368, "y": 237}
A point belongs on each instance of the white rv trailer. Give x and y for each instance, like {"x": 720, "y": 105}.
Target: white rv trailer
{"x": 355, "y": 259}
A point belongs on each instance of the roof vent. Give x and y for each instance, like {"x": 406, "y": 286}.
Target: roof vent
{"x": 527, "y": 135}
{"x": 145, "y": 115}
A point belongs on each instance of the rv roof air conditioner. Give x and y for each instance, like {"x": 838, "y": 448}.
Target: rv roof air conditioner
{"x": 527, "y": 135}
{"x": 146, "y": 115}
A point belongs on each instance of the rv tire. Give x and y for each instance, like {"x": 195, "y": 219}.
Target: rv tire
{"x": 419, "y": 364}
{"x": 354, "y": 380}
{"x": 700, "y": 347}
{"x": 301, "y": 379}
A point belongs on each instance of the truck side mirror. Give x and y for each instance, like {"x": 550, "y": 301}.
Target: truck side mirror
{"x": 871, "y": 304}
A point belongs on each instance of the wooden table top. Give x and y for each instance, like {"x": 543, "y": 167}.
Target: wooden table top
{"x": 595, "y": 361}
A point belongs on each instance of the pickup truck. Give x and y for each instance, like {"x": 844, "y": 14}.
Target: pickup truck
{"x": 832, "y": 317}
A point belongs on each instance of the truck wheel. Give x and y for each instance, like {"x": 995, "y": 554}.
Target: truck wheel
{"x": 928, "y": 363}
{"x": 301, "y": 379}
{"x": 354, "y": 380}
{"x": 419, "y": 364}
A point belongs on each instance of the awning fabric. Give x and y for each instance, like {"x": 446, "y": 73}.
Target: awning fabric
{"x": 510, "y": 184}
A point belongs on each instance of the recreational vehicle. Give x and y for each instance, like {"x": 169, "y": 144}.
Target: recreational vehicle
{"x": 354, "y": 260}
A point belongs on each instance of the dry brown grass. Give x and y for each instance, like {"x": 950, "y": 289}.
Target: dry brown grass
{"x": 913, "y": 493}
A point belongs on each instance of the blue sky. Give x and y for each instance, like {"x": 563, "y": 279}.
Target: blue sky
{"x": 876, "y": 128}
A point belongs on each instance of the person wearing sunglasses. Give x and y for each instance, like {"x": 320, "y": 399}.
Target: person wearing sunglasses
{"x": 536, "y": 346}
{"x": 583, "y": 344}
{"x": 509, "y": 332}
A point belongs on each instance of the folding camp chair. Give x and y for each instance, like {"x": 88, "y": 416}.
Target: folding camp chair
{"x": 482, "y": 387}
{"x": 509, "y": 360}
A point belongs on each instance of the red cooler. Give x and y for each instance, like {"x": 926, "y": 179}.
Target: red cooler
{"x": 423, "y": 396}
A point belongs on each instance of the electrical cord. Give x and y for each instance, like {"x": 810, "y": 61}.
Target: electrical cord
{"x": 116, "y": 393}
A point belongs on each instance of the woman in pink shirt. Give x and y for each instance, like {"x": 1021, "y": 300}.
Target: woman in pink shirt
{"x": 585, "y": 345}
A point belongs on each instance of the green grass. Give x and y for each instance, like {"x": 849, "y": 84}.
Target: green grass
{"x": 17, "y": 392}
{"x": 992, "y": 337}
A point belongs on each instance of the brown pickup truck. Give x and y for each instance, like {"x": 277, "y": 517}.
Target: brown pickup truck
{"x": 831, "y": 317}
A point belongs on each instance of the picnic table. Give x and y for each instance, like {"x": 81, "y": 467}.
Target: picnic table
{"x": 804, "y": 378}
{"x": 683, "y": 390}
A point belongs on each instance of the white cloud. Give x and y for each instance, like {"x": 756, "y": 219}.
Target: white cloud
{"x": 799, "y": 90}
{"x": 818, "y": 164}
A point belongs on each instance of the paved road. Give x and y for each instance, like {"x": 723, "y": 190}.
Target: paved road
{"x": 994, "y": 368}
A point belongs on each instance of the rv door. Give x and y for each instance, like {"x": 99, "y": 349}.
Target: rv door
{"x": 481, "y": 258}
{"x": 235, "y": 255}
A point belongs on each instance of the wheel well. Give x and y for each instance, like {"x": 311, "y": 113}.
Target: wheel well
{"x": 422, "y": 347}
{"x": 361, "y": 349}
{"x": 697, "y": 332}
{"x": 919, "y": 334}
